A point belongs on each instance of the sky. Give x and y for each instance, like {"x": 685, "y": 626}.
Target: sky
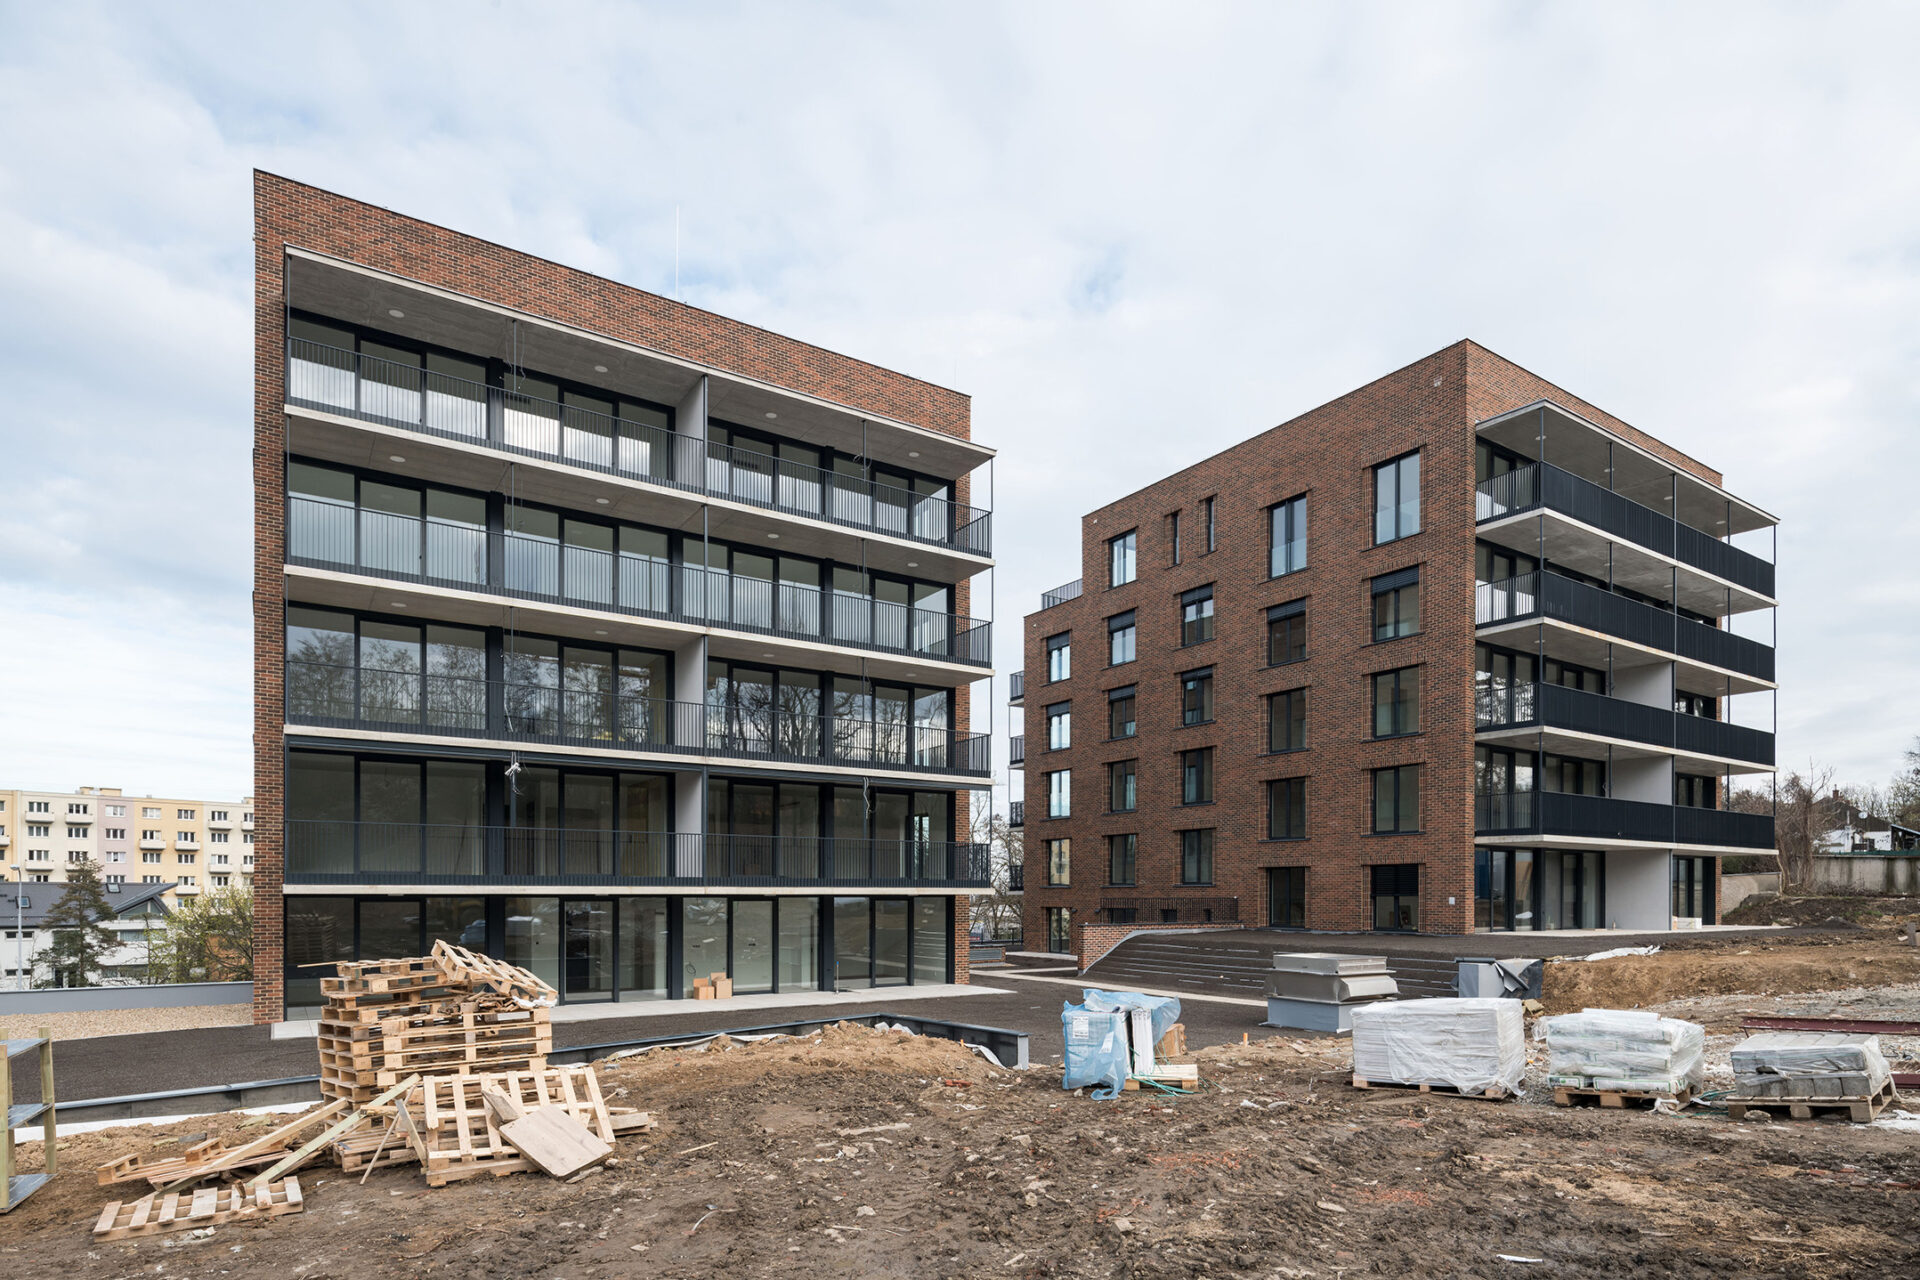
{"x": 1135, "y": 234}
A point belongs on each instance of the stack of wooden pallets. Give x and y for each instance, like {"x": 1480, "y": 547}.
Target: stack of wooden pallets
{"x": 450, "y": 1013}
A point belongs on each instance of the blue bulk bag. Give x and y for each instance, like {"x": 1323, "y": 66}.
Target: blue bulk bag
{"x": 1096, "y": 1049}
{"x": 1164, "y": 1010}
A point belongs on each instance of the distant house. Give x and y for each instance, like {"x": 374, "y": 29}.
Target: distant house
{"x": 138, "y": 911}
{"x": 1848, "y": 830}
{"x": 1904, "y": 839}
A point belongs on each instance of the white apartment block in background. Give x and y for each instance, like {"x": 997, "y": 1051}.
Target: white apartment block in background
{"x": 193, "y": 845}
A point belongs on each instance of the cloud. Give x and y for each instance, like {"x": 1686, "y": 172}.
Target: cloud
{"x": 1135, "y": 234}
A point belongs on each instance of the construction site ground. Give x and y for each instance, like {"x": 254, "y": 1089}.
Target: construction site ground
{"x": 882, "y": 1154}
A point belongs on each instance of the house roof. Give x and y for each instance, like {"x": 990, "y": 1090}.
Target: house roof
{"x": 42, "y": 897}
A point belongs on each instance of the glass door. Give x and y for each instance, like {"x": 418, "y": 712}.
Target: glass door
{"x": 587, "y": 949}
{"x": 753, "y": 944}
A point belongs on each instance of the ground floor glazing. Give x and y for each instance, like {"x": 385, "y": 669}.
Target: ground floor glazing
{"x": 614, "y": 947}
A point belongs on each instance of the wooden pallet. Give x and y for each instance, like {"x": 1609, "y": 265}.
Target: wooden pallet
{"x": 1859, "y": 1110}
{"x": 477, "y": 971}
{"x": 202, "y": 1158}
{"x": 1493, "y": 1093}
{"x": 1571, "y": 1096}
{"x": 157, "y": 1212}
{"x": 455, "y": 1135}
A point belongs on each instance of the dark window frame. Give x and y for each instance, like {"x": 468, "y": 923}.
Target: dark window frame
{"x": 1395, "y": 705}
{"x": 1132, "y": 548}
{"x": 1131, "y": 856}
{"x": 1396, "y": 468}
{"x": 1397, "y": 774}
{"x": 1123, "y": 624}
{"x": 1132, "y": 777}
{"x": 1125, "y": 693}
{"x": 1286, "y": 529}
{"x": 1196, "y": 697}
{"x": 1197, "y": 854}
{"x": 1396, "y": 590}
{"x": 1295, "y": 801}
{"x": 1197, "y": 624}
{"x": 1196, "y": 767}
{"x": 1289, "y": 698}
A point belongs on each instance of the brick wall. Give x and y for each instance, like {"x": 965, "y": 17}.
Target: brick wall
{"x": 1327, "y": 454}
{"x": 962, "y": 940}
{"x": 288, "y": 213}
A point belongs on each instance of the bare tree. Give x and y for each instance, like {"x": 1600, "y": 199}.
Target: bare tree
{"x": 999, "y": 911}
{"x": 1804, "y": 815}
{"x": 1903, "y": 795}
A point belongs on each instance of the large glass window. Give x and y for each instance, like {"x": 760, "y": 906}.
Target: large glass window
{"x": 1120, "y": 639}
{"x": 891, "y": 954}
{"x": 1059, "y": 726}
{"x": 533, "y": 936}
{"x": 1196, "y": 616}
{"x": 1196, "y": 776}
{"x": 1396, "y": 605}
{"x": 1286, "y": 897}
{"x": 1396, "y": 498}
{"x": 1059, "y": 657}
{"x": 799, "y": 962}
{"x": 931, "y": 937}
{"x": 643, "y": 948}
{"x": 1287, "y": 809}
{"x": 1120, "y": 559}
{"x": 1060, "y": 794}
{"x": 1573, "y": 775}
{"x": 703, "y": 940}
{"x": 1196, "y": 697}
{"x": 1693, "y": 791}
{"x": 1502, "y": 687}
{"x": 1396, "y": 799}
{"x": 1396, "y": 897}
{"x": 1287, "y": 633}
{"x": 1060, "y": 930}
{"x": 1396, "y": 702}
{"x": 1120, "y": 713}
{"x": 1196, "y": 856}
{"x": 1287, "y": 537}
{"x": 853, "y": 943}
{"x": 1122, "y": 776}
{"x": 1122, "y": 858}
{"x": 319, "y": 931}
{"x": 1059, "y": 862}
{"x": 1287, "y": 721}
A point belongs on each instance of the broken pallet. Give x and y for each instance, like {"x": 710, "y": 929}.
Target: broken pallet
{"x": 1492, "y": 1093}
{"x": 474, "y": 970}
{"x": 1573, "y": 1096}
{"x": 456, "y": 1134}
{"x": 162, "y": 1211}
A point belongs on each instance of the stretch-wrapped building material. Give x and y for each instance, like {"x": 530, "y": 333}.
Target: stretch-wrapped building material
{"x": 1470, "y": 1044}
{"x": 1096, "y": 1049}
{"x": 1809, "y": 1064}
{"x": 1625, "y": 1051}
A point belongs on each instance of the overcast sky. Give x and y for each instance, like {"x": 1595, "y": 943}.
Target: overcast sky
{"x": 1134, "y": 234}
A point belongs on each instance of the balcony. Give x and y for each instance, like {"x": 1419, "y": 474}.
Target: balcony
{"x": 219, "y": 824}
{"x": 186, "y": 890}
{"x": 1551, "y": 597}
{"x": 1566, "y": 717}
{"x": 438, "y": 553}
{"x": 1016, "y": 688}
{"x": 1017, "y": 750}
{"x": 79, "y": 819}
{"x": 1599, "y": 820}
{"x": 355, "y": 385}
{"x": 1016, "y": 813}
{"x": 152, "y": 846}
{"x": 1016, "y": 878}
{"x": 1062, "y": 594}
{"x": 1543, "y": 487}
{"x": 5, "y": 840}
{"x": 437, "y": 705}
{"x": 329, "y": 852}
{"x": 187, "y": 844}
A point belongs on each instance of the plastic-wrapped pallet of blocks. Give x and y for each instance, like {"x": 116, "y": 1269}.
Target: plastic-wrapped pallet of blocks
{"x": 1801, "y": 1064}
{"x": 1624, "y": 1051}
{"x": 1477, "y": 1046}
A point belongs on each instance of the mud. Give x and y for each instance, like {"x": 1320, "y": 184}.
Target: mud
{"x": 869, "y": 1154}
{"x": 1748, "y": 965}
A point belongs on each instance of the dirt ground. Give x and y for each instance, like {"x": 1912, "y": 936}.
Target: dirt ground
{"x": 862, "y": 1153}
{"x": 1747, "y": 965}
{"x": 1861, "y": 909}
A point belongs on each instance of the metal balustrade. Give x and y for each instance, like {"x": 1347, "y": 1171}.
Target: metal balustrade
{"x": 1062, "y": 594}
{"x": 325, "y": 851}
{"x": 1500, "y": 704}
{"x": 1016, "y": 813}
{"x": 1541, "y": 484}
{"x": 440, "y": 553}
{"x": 1017, "y": 749}
{"x": 1553, "y": 596}
{"x": 1557, "y": 813}
{"x": 357, "y": 385}
{"x": 464, "y": 704}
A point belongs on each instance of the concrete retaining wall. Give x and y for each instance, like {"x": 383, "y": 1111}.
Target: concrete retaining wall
{"x": 1736, "y": 889}
{"x": 1895, "y": 874}
{"x": 173, "y": 995}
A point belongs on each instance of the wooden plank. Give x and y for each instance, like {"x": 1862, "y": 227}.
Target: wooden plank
{"x": 555, "y": 1141}
{"x": 252, "y": 1152}
{"x": 332, "y": 1131}
{"x": 206, "y": 1207}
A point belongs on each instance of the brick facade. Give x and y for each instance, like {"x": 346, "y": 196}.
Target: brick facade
{"x": 290, "y": 214}
{"x": 1327, "y": 454}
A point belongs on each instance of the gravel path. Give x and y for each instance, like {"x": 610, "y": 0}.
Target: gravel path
{"x": 120, "y": 1022}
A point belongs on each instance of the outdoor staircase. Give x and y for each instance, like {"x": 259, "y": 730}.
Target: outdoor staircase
{"x": 1236, "y": 963}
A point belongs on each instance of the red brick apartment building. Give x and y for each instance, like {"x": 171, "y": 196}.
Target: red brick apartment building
{"x": 1450, "y": 653}
{"x": 618, "y": 639}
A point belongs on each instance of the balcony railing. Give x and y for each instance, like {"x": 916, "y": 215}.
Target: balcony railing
{"x": 1556, "y": 813}
{"x": 396, "y": 395}
{"x": 470, "y": 706}
{"x": 1541, "y": 484}
{"x": 1152, "y": 911}
{"x": 1062, "y": 594}
{"x": 1016, "y": 686}
{"x": 1017, "y": 749}
{"x": 1500, "y": 705}
{"x": 410, "y": 549}
{"x": 1016, "y": 879}
{"x": 1016, "y": 813}
{"x": 1550, "y": 595}
{"x": 324, "y": 851}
